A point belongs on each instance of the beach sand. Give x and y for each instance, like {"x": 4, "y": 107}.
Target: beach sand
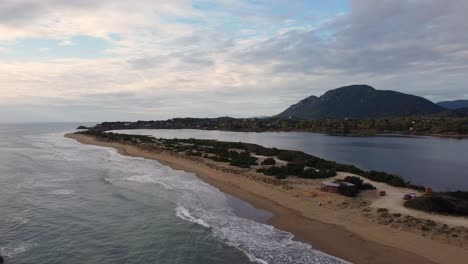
{"x": 346, "y": 234}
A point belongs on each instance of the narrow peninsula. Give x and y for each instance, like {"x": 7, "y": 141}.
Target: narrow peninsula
{"x": 357, "y": 215}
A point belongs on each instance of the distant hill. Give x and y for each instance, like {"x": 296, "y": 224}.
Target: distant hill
{"x": 454, "y": 104}
{"x": 448, "y": 113}
{"x": 359, "y": 102}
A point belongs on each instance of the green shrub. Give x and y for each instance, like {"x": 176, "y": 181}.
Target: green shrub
{"x": 390, "y": 179}
{"x": 192, "y": 153}
{"x": 354, "y": 180}
{"x": 281, "y": 177}
{"x": 367, "y": 186}
{"x": 243, "y": 159}
{"x": 309, "y": 174}
{"x": 359, "y": 183}
{"x": 219, "y": 159}
{"x": 269, "y": 161}
{"x": 294, "y": 169}
{"x": 267, "y": 151}
{"x": 314, "y": 174}
{"x": 285, "y": 155}
{"x": 348, "y": 190}
{"x": 275, "y": 171}
{"x": 439, "y": 203}
{"x": 326, "y": 173}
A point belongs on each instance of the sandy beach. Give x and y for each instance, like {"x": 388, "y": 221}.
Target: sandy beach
{"x": 351, "y": 230}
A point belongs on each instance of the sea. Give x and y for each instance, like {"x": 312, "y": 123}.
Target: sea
{"x": 64, "y": 202}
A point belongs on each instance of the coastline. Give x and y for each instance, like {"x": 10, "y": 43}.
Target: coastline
{"x": 330, "y": 231}
{"x": 354, "y": 133}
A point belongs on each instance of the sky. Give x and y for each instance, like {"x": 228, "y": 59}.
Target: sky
{"x": 108, "y": 60}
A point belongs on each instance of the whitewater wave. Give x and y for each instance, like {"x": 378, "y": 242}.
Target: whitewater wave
{"x": 184, "y": 214}
{"x": 253, "y": 259}
{"x": 62, "y": 192}
{"x": 13, "y": 250}
{"x": 204, "y": 205}
{"x": 147, "y": 179}
{"x": 17, "y": 220}
{"x": 260, "y": 242}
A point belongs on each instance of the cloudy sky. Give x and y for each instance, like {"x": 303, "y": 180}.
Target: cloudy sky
{"x": 88, "y": 60}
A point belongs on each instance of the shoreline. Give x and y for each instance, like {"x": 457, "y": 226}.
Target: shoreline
{"x": 349, "y": 134}
{"x": 332, "y": 232}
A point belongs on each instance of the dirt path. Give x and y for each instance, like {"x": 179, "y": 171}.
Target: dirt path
{"x": 393, "y": 201}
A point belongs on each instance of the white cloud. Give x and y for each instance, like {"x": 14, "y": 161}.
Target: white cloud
{"x": 66, "y": 42}
{"x": 236, "y": 58}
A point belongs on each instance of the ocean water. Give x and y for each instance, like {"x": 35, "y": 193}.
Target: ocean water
{"x": 441, "y": 163}
{"x": 63, "y": 202}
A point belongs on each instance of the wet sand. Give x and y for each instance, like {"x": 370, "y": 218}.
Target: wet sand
{"x": 332, "y": 231}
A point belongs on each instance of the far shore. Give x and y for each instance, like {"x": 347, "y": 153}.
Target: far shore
{"x": 348, "y": 134}
{"x": 338, "y": 226}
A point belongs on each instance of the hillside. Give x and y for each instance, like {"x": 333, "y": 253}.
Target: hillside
{"x": 360, "y": 102}
{"x": 454, "y": 104}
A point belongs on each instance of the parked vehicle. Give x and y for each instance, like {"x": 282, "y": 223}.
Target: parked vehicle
{"x": 382, "y": 193}
{"x": 409, "y": 196}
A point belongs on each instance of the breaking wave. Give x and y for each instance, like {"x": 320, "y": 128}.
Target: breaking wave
{"x": 13, "y": 250}
{"x": 198, "y": 202}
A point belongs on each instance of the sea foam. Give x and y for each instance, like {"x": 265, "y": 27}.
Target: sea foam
{"x": 185, "y": 215}
{"x": 13, "y": 250}
{"x": 198, "y": 202}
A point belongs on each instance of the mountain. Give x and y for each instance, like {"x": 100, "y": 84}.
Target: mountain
{"x": 454, "y": 104}
{"x": 448, "y": 113}
{"x": 360, "y": 102}
{"x": 463, "y": 110}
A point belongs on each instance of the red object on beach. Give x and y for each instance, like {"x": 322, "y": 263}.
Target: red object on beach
{"x": 382, "y": 193}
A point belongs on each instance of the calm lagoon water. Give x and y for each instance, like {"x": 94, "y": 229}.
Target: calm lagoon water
{"x": 63, "y": 202}
{"x": 437, "y": 162}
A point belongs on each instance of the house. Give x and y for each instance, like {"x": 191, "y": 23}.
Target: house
{"x": 428, "y": 190}
{"x": 329, "y": 187}
{"x": 333, "y": 186}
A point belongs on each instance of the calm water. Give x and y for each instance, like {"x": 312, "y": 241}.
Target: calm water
{"x": 63, "y": 202}
{"x": 436, "y": 162}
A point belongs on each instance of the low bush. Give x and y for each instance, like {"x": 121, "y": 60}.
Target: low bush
{"x": 219, "y": 159}
{"x": 275, "y": 171}
{"x": 269, "y": 161}
{"x": 390, "y": 179}
{"x": 367, "y": 186}
{"x": 267, "y": 151}
{"x": 359, "y": 183}
{"x": 439, "y": 203}
{"x": 382, "y": 210}
{"x": 243, "y": 160}
{"x": 294, "y": 169}
{"x": 314, "y": 174}
{"x": 327, "y": 173}
{"x": 285, "y": 155}
{"x": 309, "y": 174}
{"x": 192, "y": 153}
{"x": 348, "y": 190}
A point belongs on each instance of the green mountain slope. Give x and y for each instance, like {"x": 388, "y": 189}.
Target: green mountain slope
{"x": 359, "y": 102}
{"x": 454, "y": 104}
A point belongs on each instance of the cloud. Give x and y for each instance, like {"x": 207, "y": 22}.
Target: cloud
{"x": 217, "y": 58}
{"x": 66, "y": 42}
